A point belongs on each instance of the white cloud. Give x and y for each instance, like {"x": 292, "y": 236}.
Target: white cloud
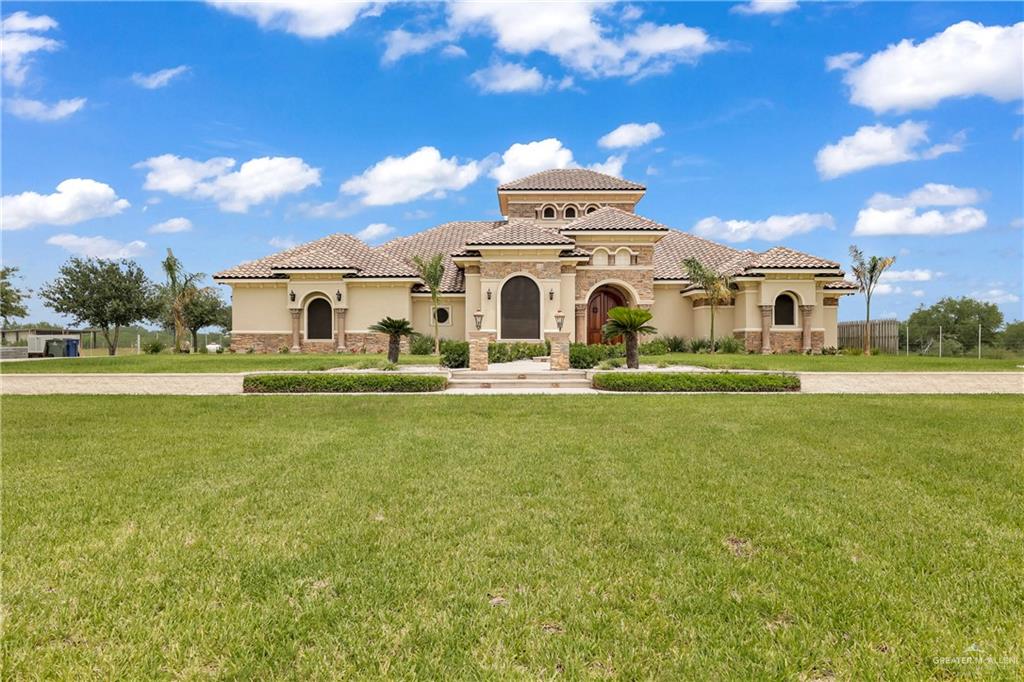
{"x": 301, "y": 17}
{"x": 631, "y": 135}
{"x": 76, "y": 200}
{"x": 918, "y": 275}
{"x": 930, "y": 194}
{"x": 1017, "y": 223}
{"x": 500, "y": 78}
{"x": 35, "y": 110}
{"x": 453, "y": 51}
{"x": 880, "y": 145}
{"x": 97, "y": 247}
{"x": 997, "y": 296}
{"x": 883, "y": 289}
{"x": 764, "y": 7}
{"x": 773, "y": 228}
{"x": 966, "y": 59}
{"x": 172, "y": 226}
{"x": 158, "y": 79}
{"x": 20, "y": 41}
{"x": 842, "y": 62}
{"x": 282, "y": 242}
{"x": 631, "y": 13}
{"x": 610, "y": 166}
{"x": 256, "y": 181}
{"x": 907, "y": 221}
{"x": 522, "y": 159}
{"x": 398, "y": 179}
{"x": 375, "y": 232}
{"x": 401, "y": 43}
{"x": 651, "y": 170}
{"x": 1018, "y": 134}
{"x": 917, "y": 293}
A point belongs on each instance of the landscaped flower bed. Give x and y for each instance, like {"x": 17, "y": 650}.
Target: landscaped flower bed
{"x": 665, "y": 382}
{"x": 343, "y": 383}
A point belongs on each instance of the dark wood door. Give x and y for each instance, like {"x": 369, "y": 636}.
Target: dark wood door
{"x": 601, "y": 302}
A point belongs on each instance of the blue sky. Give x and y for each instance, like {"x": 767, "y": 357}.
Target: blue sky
{"x": 260, "y": 126}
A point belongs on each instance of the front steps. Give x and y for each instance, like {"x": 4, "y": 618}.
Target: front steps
{"x": 464, "y": 378}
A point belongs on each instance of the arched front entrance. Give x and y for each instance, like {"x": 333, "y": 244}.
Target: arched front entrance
{"x": 601, "y": 301}
{"x": 318, "y": 320}
{"x": 520, "y": 309}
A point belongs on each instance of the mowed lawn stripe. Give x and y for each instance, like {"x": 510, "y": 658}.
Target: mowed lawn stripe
{"x": 630, "y": 536}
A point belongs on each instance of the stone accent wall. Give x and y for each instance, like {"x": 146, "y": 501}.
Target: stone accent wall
{"x": 531, "y": 209}
{"x": 502, "y": 269}
{"x": 272, "y": 343}
{"x": 751, "y": 341}
{"x": 782, "y": 342}
{"x": 640, "y": 279}
{"x": 372, "y": 343}
{"x": 319, "y": 346}
{"x": 559, "y": 358}
{"x": 479, "y": 343}
{"x": 260, "y": 343}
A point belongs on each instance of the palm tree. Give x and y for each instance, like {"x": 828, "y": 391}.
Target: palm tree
{"x": 179, "y": 292}
{"x": 628, "y": 323}
{"x": 395, "y": 329}
{"x": 715, "y": 286}
{"x": 867, "y": 273}
{"x": 431, "y": 272}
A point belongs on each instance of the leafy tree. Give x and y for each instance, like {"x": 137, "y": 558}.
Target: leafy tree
{"x": 1013, "y": 336}
{"x": 12, "y": 299}
{"x": 867, "y": 273}
{"x": 629, "y": 323}
{"x": 178, "y": 293}
{"x": 205, "y": 309}
{"x": 103, "y": 293}
{"x": 432, "y": 272}
{"x": 959, "y": 319}
{"x": 395, "y": 329}
{"x": 715, "y": 286}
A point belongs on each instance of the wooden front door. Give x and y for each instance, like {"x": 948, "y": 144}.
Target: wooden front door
{"x": 601, "y": 302}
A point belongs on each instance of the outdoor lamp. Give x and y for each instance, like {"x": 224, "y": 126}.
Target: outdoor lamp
{"x": 291, "y": 295}
{"x": 559, "y": 319}
{"x": 337, "y": 295}
{"x": 488, "y": 294}
{"x": 551, "y": 294}
{"x": 478, "y": 318}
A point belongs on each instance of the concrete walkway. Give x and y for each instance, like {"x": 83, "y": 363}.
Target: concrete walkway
{"x": 121, "y": 384}
{"x": 912, "y": 382}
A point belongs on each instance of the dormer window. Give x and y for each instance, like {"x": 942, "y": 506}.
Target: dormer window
{"x": 548, "y": 213}
{"x": 570, "y": 211}
{"x": 591, "y": 209}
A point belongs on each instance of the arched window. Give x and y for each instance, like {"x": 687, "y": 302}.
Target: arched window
{"x": 318, "y": 319}
{"x": 549, "y": 213}
{"x": 520, "y": 309}
{"x": 599, "y": 257}
{"x": 785, "y": 310}
{"x": 623, "y": 256}
{"x": 570, "y": 211}
{"x": 591, "y": 209}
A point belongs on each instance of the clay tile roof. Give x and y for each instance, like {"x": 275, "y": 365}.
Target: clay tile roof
{"x": 568, "y": 179}
{"x": 446, "y": 239}
{"x": 782, "y": 257}
{"x": 844, "y": 285}
{"x": 334, "y": 252}
{"x": 671, "y": 250}
{"x": 611, "y": 218}
{"x": 575, "y": 253}
{"x": 519, "y": 233}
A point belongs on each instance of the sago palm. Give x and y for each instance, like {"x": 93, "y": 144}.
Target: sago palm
{"x": 395, "y": 329}
{"x": 867, "y": 273}
{"x": 715, "y": 286}
{"x": 432, "y": 272}
{"x": 628, "y": 323}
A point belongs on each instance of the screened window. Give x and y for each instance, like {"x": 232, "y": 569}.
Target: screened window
{"x": 591, "y": 209}
{"x": 785, "y": 310}
{"x": 318, "y": 319}
{"x": 549, "y": 212}
{"x": 520, "y": 309}
{"x": 570, "y": 211}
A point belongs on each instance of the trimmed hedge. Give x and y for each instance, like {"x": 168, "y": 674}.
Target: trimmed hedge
{"x": 455, "y": 354}
{"x": 663, "y": 382}
{"x": 343, "y": 383}
{"x": 505, "y": 351}
{"x": 582, "y": 356}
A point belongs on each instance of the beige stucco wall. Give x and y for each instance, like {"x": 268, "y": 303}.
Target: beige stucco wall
{"x": 260, "y": 308}
{"x": 724, "y": 316}
{"x": 673, "y": 314}
{"x": 456, "y": 327}
{"x": 369, "y": 303}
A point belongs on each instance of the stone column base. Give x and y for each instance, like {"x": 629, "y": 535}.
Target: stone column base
{"x": 478, "y": 344}
{"x": 559, "y": 360}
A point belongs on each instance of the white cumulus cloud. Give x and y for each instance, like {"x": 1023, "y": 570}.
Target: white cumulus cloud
{"x": 883, "y": 289}
{"x": 843, "y": 61}
{"x": 34, "y": 110}
{"x": 301, "y": 17}
{"x": 522, "y": 159}
{"x": 399, "y": 179}
{"x": 76, "y": 200}
{"x": 256, "y": 181}
{"x": 97, "y": 247}
{"x": 631, "y": 135}
{"x": 610, "y": 166}
{"x": 172, "y": 226}
{"x": 967, "y": 59}
{"x": 158, "y": 79}
{"x": 20, "y": 40}
{"x": 917, "y": 275}
{"x": 501, "y": 78}
{"x": 880, "y": 145}
{"x": 773, "y": 228}
{"x": 375, "y": 232}
{"x": 930, "y": 194}
{"x": 997, "y": 296}
{"x": 764, "y": 7}
{"x": 890, "y": 215}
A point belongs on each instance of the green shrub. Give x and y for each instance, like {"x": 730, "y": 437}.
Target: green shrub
{"x": 830, "y": 350}
{"x": 455, "y": 354}
{"x": 658, "y": 382}
{"x": 699, "y": 345}
{"x": 421, "y": 344}
{"x": 153, "y": 347}
{"x": 582, "y": 356}
{"x": 729, "y": 344}
{"x": 284, "y": 349}
{"x": 613, "y": 363}
{"x": 676, "y": 344}
{"x": 655, "y": 347}
{"x": 852, "y": 351}
{"x": 516, "y": 350}
{"x": 343, "y": 383}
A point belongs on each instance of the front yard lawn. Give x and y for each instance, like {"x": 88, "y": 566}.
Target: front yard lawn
{"x": 206, "y": 362}
{"x": 444, "y": 537}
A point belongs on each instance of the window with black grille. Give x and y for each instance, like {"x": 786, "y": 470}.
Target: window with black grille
{"x": 520, "y": 309}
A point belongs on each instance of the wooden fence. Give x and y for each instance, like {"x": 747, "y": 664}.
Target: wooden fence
{"x": 885, "y": 335}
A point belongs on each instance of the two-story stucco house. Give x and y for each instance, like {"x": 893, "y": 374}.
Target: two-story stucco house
{"x": 571, "y": 247}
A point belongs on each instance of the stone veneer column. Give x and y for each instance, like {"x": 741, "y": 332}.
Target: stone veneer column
{"x": 766, "y": 328}
{"x": 581, "y": 323}
{"x": 339, "y": 328}
{"x": 559, "y": 360}
{"x": 478, "y": 343}
{"x": 296, "y": 320}
{"x": 805, "y": 317}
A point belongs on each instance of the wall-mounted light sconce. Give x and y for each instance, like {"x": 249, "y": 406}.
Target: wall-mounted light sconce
{"x": 488, "y": 294}
{"x": 478, "y": 318}
{"x": 559, "y": 319}
{"x": 551, "y": 294}
{"x": 337, "y": 295}
{"x": 291, "y": 295}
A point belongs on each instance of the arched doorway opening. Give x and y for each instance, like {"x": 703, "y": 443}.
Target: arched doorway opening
{"x": 318, "y": 320}
{"x": 520, "y": 309}
{"x": 601, "y": 301}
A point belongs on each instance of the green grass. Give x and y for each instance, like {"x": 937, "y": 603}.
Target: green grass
{"x": 206, "y": 362}
{"x": 639, "y": 537}
{"x": 838, "y": 363}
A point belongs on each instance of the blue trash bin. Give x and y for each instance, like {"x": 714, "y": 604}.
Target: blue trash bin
{"x": 71, "y": 348}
